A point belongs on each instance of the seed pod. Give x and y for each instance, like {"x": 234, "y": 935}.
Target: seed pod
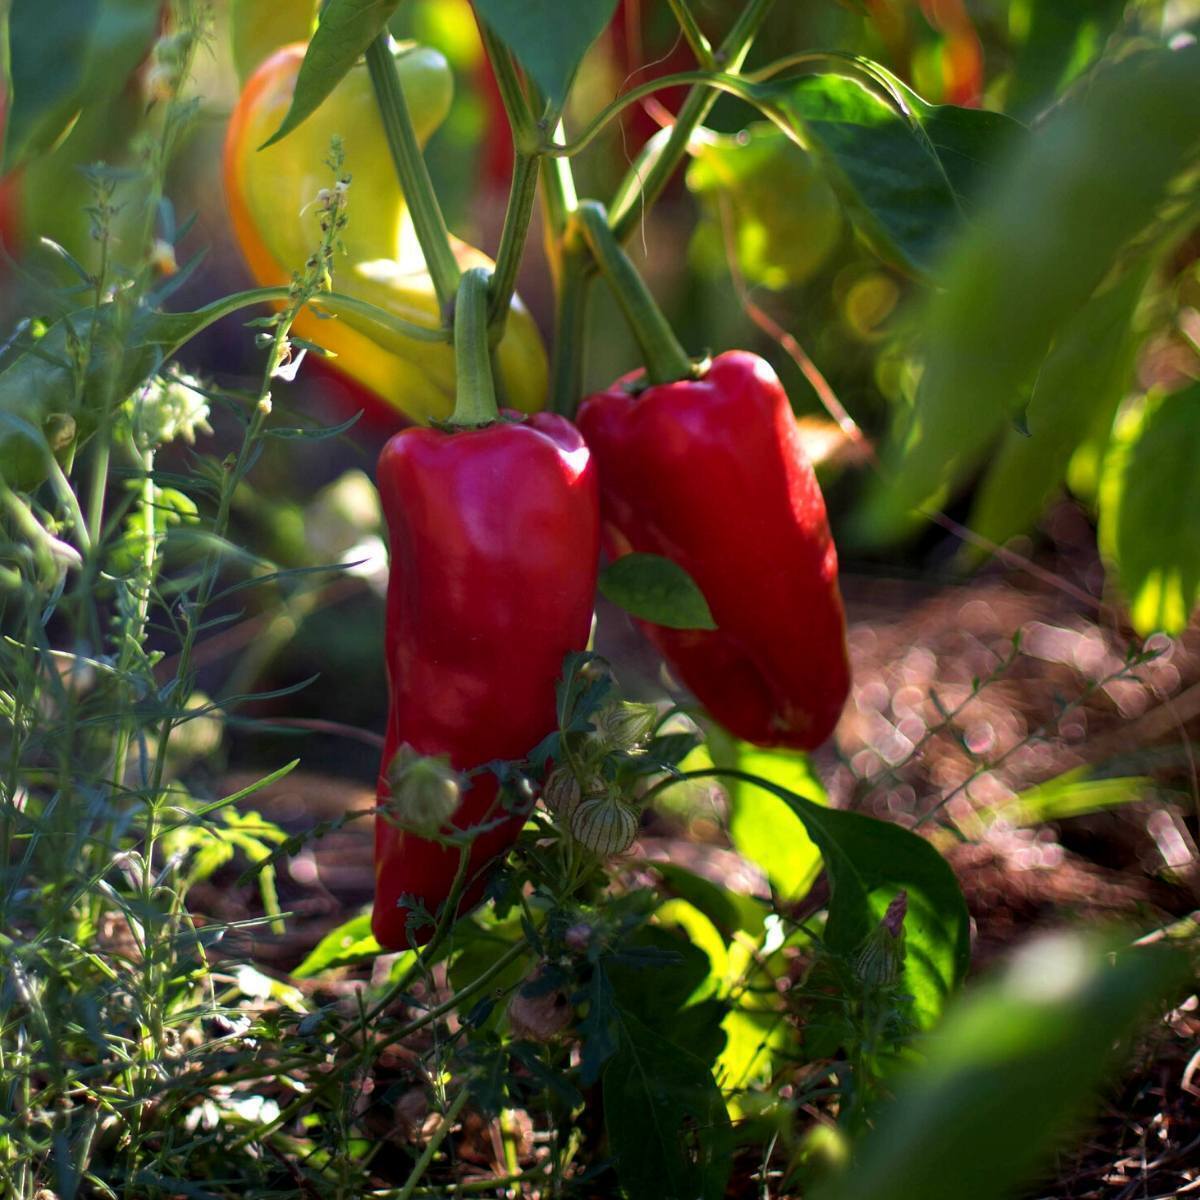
{"x": 879, "y": 961}
{"x": 624, "y": 725}
{"x": 562, "y": 793}
{"x": 425, "y": 791}
{"x": 604, "y": 824}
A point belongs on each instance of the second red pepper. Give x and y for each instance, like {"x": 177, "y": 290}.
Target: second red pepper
{"x": 711, "y": 474}
{"x": 494, "y": 546}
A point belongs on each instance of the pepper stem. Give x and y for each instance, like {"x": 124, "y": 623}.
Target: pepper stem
{"x": 665, "y": 359}
{"x": 475, "y": 391}
{"x": 427, "y": 218}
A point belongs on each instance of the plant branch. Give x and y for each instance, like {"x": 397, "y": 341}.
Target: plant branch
{"x": 428, "y": 221}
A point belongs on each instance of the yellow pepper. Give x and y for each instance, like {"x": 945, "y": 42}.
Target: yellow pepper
{"x": 268, "y": 192}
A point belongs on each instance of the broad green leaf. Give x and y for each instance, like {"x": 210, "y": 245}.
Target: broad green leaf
{"x": 868, "y": 862}
{"x": 907, "y": 180}
{"x": 1009, "y": 1073}
{"x": 656, "y": 589}
{"x": 729, "y": 912}
{"x": 1071, "y": 794}
{"x": 668, "y": 1130}
{"x": 764, "y": 827}
{"x": 1150, "y": 509}
{"x": 346, "y": 29}
{"x": 548, "y": 37}
{"x": 1092, "y": 178}
{"x": 351, "y": 942}
{"x": 786, "y": 218}
{"x": 95, "y": 45}
{"x": 1078, "y": 388}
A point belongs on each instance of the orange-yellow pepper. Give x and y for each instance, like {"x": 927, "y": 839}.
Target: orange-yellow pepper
{"x": 268, "y": 193}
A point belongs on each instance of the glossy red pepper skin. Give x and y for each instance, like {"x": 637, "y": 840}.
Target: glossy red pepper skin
{"x": 711, "y": 474}
{"x": 495, "y": 542}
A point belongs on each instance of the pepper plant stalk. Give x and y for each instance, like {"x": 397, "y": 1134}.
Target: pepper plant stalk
{"x": 695, "y": 108}
{"x": 523, "y": 189}
{"x": 475, "y": 396}
{"x": 665, "y": 359}
{"x": 427, "y": 218}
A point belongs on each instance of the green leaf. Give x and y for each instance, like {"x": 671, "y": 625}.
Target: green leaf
{"x": 548, "y": 37}
{"x": 1094, "y": 176}
{"x": 1077, "y": 390}
{"x": 351, "y": 942}
{"x": 868, "y": 861}
{"x": 764, "y": 827}
{"x": 656, "y": 589}
{"x": 95, "y": 46}
{"x": 346, "y": 29}
{"x": 668, "y": 1129}
{"x": 1150, "y": 509}
{"x": 906, "y": 179}
{"x": 1009, "y": 1073}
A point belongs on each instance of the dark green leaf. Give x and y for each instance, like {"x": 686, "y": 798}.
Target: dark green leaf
{"x": 656, "y": 589}
{"x": 1094, "y": 176}
{"x": 868, "y": 861}
{"x": 907, "y": 179}
{"x": 94, "y": 47}
{"x": 346, "y": 29}
{"x": 667, "y": 1125}
{"x": 548, "y": 37}
{"x": 1150, "y": 510}
{"x": 1009, "y": 1073}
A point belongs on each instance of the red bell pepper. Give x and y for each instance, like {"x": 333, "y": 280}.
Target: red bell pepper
{"x": 711, "y": 473}
{"x": 494, "y": 543}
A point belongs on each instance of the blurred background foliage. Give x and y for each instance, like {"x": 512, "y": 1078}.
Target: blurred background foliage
{"x": 1012, "y": 319}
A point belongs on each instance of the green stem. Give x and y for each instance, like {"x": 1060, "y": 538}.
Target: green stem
{"x": 523, "y": 189}
{"x": 431, "y": 1148}
{"x": 558, "y": 189}
{"x": 475, "y": 392}
{"x": 570, "y": 323}
{"x": 666, "y": 360}
{"x": 693, "y": 34}
{"x": 694, "y": 109}
{"x": 415, "y": 182}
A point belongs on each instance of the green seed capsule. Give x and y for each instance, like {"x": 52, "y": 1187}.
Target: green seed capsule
{"x": 605, "y": 825}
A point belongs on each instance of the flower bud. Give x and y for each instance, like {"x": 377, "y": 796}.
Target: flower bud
{"x": 624, "y": 725}
{"x": 425, "y": 791}
{"x": 879, "y": 961}
{"x": 562, "y": 793}
{"x": 604, "y": 824}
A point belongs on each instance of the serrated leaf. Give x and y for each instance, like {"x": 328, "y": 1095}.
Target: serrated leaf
{"x": 667, "y": 1126}
{"x": 346, "y": 29}
{"x": 656, "y": 589}
{"x": 1150, "y": 510}
{"x": 548, "y": 37}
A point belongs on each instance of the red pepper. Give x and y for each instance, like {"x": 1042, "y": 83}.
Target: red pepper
{"x": 711, "y": 473}
{"x": 494, "y": 542}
